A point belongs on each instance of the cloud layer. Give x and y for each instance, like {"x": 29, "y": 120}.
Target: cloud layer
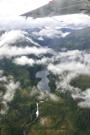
{"x": 9, "y": 38}
{"x": 65, "y": 65}
{"x": 70, "y": 65}
{"x": 75, "y": 21}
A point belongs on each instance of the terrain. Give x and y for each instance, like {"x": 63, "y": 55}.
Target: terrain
{"x": 45, "y": 76}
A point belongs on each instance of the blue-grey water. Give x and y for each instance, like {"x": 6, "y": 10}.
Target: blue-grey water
{"x": 43, "y": 84}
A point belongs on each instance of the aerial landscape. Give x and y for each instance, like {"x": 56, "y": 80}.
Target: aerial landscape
{"x": 45, "y": 73}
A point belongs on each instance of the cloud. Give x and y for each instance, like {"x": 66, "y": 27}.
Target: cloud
{"x": 11, "y": 37}
{"x": 75, "y": 21}
{"x": 24, "y": 60}
{"x": 9, "y": 51}
{"x": 72, "y": 61}
{"x": 85, "y": 96}
{"x": 70, "y": 65}
{"x": 51, "y": 33}
{"x": 15, "y": 35}
{"x": 4, "y": 79}
{"x": 10, "y": 91}
{"x": 45, "y": 61}
{"x": 66, "y": 65}
{"x": 66, "y": 72}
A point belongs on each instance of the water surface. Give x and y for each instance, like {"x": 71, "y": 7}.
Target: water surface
{"x": 43, "y": 84}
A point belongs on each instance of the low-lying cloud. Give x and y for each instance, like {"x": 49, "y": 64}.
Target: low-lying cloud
{"x": 11, "y": 37}
{"x": 51, "y": 33}
{"x": 66, "y": 65}
{"x": 10, "y": 51}
{"x": 24, "y": 60}
{"x": 70, "y": 65}
{"x": 17, "y": 22}
{"x": 10, "y": 89}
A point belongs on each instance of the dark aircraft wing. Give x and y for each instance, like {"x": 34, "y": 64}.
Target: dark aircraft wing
{"x": 60, "y": 7}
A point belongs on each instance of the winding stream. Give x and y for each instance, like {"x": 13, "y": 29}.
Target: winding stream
{"x": 43, "y": 85}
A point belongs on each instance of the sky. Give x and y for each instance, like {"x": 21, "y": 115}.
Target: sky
{"x": 18, "y": 7}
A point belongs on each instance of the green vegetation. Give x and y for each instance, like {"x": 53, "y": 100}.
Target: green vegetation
{"x": 61, "y": 118}
{"x": 82, "y": 82}
{"x": 77, "y": 40}
{"x": 56, "y": 118}
{"x": 52, "y": 84}
{"x": 21, "y": 112}
{"x": 24, "y": 74}
{"x": 23, "y": 107}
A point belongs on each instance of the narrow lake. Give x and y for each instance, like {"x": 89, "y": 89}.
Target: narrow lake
{"x": 43, "y": 84}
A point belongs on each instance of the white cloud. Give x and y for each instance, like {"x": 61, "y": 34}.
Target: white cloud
{"x": 74, "y": 20}
{"x": 72, "y": 61}
{"x": 78, "y": 21}
{"x": 11, "y": 37}
{"x": 15, "y": 35}
{"x": 8, "y": 51}
{"x": 51, "y": 33}
{"x": 75, "y": 62}
{"x": 70, "y": 65}
{"x": 10, "y": 91}
{"x": 24, "y": 61}
{"x": 4, "y": 79}
{"x": 85, "y": 96}
{"x": 44, "y": 61}
{"x": 66, "y": 72}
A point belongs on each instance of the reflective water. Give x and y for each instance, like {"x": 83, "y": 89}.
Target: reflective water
{"x": 43, "y": 84}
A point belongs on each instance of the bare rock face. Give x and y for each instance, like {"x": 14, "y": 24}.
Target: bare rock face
{"x": 61, "y": 7}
